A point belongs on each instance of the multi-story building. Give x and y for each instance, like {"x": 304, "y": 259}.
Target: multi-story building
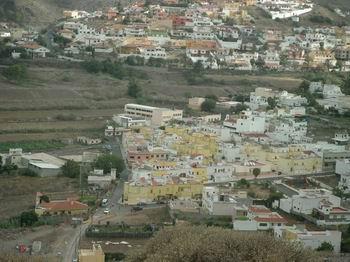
{"x": 155, "y": 189}
{"x": 158, "y": 116}
{"x": 221, "y": 202}
{"x": 306, "y": 200}
{"x": 247, "y": 122}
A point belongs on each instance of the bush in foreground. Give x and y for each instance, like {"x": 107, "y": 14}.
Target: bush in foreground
{"x": 207, "y": 244}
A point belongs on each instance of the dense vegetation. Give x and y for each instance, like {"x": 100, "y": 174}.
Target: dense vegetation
{"x": 31, "y": 145}
{"x": 200, "y": 243}
{"x": 9, "y": 11}
{"x": 115, "y": 69}
{"x": 106, "y": 162}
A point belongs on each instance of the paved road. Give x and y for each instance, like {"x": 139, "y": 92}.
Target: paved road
{"x": 115, "y": 206}
{"x": 73, "y": 245}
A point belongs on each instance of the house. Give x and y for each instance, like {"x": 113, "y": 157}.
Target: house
{"x": 342, "y": 168}
{"x": 245, "y": 168}
{"x": 291, "y": 100}
{"x": 310, "y": 239}
{"x": 95, "y": 254}
{"x": 247, "y": 122}
{"x": 341, "y": 138}
{"x": 36, "y": 50}
{"x": 306, "y": 200}
{"x": 59, "y": 207}
{"x": 328, "y": 214}
{"x": 210, "y": 118}
{"x": 330, "y": 91}
{"x": 221, "y": 202}
{"x": 259, "y": 217}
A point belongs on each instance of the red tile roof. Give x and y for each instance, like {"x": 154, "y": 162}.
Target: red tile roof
{"x": 339, "y": 210}
{"x": 64, "y": 205}
{"x": 271, "y": 219}
{"x": 259, "y": 209}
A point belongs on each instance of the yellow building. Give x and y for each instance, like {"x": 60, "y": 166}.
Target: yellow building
{"x": 135, "y": 192}
{"x": 193, "y": 143}
{"x": 294, "y": 160}
{"x": 95, "y": 254}
{"x": 291, "y": 160}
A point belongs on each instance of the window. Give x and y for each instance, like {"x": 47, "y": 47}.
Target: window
{"x": 263, "y": 224}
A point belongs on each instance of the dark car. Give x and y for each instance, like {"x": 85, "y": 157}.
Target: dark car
{"x": 137, "y": 208}
{"x": 141, "y": 204}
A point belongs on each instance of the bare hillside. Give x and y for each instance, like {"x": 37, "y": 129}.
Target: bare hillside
{"x": 43, "y": 12}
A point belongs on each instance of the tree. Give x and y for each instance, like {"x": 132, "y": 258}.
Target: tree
{"x": 17, "y": 72}
{"x": 92, "y": 66}
{"x": 213, "y": 97}
{"x": 256, "y": 172}
{"x": 346, "y": 86}
{"x": 195, "y": 243}
{"x": 272, "y": 103}
{"x": 71, "y": 169}
{"x": 134, "y": 90}
{"x": 208, "y": 105}
{"x": 44, "y": 198}
{"x": 325, "y": 246}
{"x": 28, "y": 218}
{"x": 239, "y": 108}
{"x": 107, "y": 162}
{"x": 198, "y": 68}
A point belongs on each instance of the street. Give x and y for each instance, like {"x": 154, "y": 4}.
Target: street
{"x": 117, "y": 209}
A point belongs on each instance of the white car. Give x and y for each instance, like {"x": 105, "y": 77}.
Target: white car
{"x": 107, "y": 211}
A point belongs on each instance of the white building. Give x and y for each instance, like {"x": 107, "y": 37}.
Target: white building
{"x": 331, "y": 91}
{"x": 127, "y": 121}
{"x": 219, "y": 203}
{"x": 158, "y": 116}
{"x": 291, "y": 100}
{"x": 342, "y": 168}
{"x": 289, "y": 131}
{"x": 155, "y": 52}
{"x": 310, "y": 239}
{"x": 306, "y": 200}
{"x": 259, "y": 218}
{"x": 247, "y": 123}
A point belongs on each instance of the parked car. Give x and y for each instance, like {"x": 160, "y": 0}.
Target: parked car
{"x": 107, "y": 211}
{"x": 137, "y": 208}
{"x": 141, "y": 204}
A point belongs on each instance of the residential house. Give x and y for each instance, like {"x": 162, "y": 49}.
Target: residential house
{"x": 59, "y": 207}
{"x": 259, "y": 217}
{"x": 310, "y": 239}
{"x": 306, "y": 200}
{"x": 222, "y": 202}
{"x": 342, "y": 168}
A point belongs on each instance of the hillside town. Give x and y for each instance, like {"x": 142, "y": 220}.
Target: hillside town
{"x": 266, "y": 161}
{"x": 219, "y": 35}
